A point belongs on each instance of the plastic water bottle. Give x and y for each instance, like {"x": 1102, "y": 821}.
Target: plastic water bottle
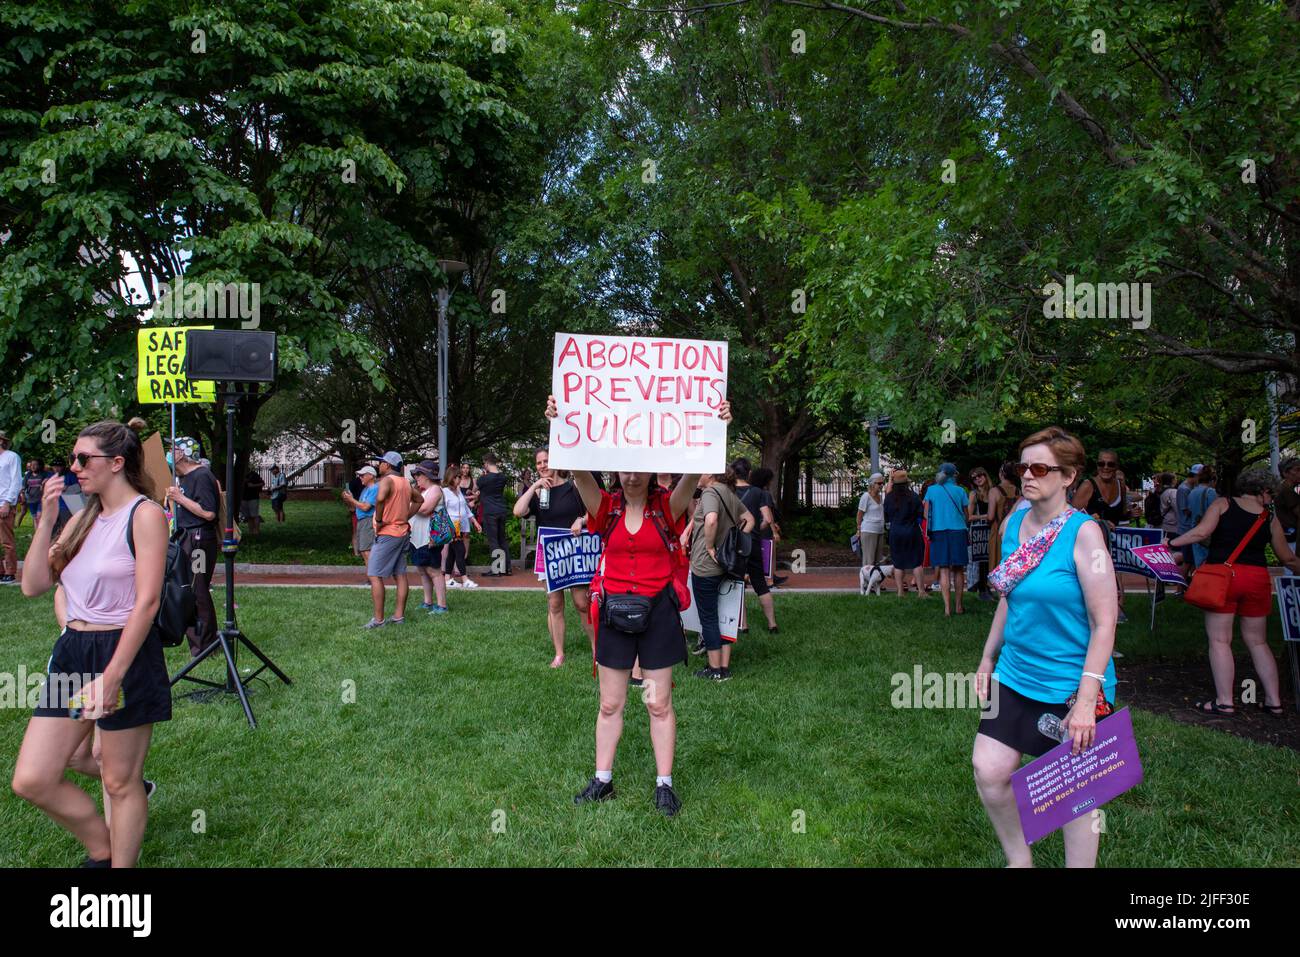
{"x": 1052, "y": 726}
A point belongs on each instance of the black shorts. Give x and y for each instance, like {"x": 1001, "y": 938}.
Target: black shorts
{"x": 1014, "y": 721}
{"x": 661, "y": 645}
{"x": 80, "y": 656}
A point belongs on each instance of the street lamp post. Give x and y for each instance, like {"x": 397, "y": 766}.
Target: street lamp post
{"x": 452, "y": 268}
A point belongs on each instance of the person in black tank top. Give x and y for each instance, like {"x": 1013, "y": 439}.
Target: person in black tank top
{"x": 1226, "y": 524}
{"x": 1091, "y": 497}
{"x": 977, "y": 510}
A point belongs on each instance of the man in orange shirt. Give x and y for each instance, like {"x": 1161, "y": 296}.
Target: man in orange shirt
{"x": 393, "y": 506}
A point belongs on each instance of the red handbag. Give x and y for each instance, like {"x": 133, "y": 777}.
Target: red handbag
{"x": 1209, "y": 586}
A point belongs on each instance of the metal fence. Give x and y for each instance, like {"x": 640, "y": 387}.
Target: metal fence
{"x": 830, "y": 493}
{"x": 319, "y": 475}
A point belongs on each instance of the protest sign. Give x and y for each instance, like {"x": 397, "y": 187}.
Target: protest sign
{"x": 160, "y": 370}
{"x": 638, "y": 404}
{"x": 769, "y": 553}
{"x": 731, "y": 597}
{"x": 1159, "y": 560}
{"x": 569, "y": 559}
{"x": 1122, "y": 542}
{"x": 1059, "y": 787}
{"x": 979, "y": 540}
{"x": 1288, "y": 603}
{"x": 155, "y": 466}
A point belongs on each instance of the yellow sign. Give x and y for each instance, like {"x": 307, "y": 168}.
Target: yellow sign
{"x": 160, "y": 376}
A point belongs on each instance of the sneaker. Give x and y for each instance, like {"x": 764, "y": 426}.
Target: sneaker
{"x": 636, "y": 682}
{"x": 374, "y": 623}
{"x": 666, "y": 801}
{"x": 779, "y": 580}
{"x": 597, "y": 790}
{"x": 427, "y": 606}
{"x": 438, "y": 610}
{"x": 10, "y": 580}
{"x": 469, "y": 583}
{"x": 699, "y": 648}
{"x": 724, "y": 674}
{"x": 452, "y": 583}
{"x": 149, "y": 788}
{"x": 713, "y": 674}
{"x": 91, "y": 862}
{"x": 396, "y": 621}
{"x": 1123, "y": 618}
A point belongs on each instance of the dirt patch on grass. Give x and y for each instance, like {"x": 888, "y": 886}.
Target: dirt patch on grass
{"x": 1172, "y": 687}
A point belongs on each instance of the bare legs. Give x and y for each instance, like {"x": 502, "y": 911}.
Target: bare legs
{"x": 555, "y": 619}
{"x": 1254, "y": 632}
{"x": 377, "y": 595}
{"x": 658, "y": 697}
{"x": 53, "y": 744}
{"x": 994, "y": 764}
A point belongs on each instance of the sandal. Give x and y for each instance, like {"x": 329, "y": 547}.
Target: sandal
{"x": 1212, "y": 706}
{"x": 1272, "y": 710}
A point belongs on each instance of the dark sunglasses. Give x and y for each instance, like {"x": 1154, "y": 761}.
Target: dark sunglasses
{"x": 83, "y": 459}
{"x": 1107, "y": 465}
{"x": 1037, "y": 470}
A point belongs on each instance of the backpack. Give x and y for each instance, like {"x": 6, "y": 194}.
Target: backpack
{"x": 177, "y": 608}
{"x": 441, "y": 531}
{"x": 1151, "y": 509}
{"x": 655, "y": 512}
{"x": 735, "y": 548}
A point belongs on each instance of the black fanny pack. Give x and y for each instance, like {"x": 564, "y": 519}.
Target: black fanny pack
{"x": 630, "y": 614}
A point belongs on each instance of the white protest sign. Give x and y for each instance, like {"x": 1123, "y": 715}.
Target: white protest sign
{"x": 731, "y": 596}
{"x": 638, "y": 404}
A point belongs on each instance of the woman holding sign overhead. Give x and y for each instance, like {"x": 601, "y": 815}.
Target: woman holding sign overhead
{"x": 640, "y": 594}
{"x": 1051, "y": 638}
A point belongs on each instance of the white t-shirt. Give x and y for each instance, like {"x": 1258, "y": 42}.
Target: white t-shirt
{"x": 457, "y": 508}
{"x": 873, "y": 514}
{"x": 421, "y": 525}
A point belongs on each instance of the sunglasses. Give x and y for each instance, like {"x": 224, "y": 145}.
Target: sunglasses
{"x": 1107, "y": 465}
{"x": 1037, "y": 469}
{"x": 83, "y": 458}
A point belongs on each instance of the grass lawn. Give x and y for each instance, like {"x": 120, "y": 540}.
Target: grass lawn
{"x": 459, "y": 717}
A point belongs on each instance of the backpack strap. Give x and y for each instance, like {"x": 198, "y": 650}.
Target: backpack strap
{"x": 130, "y": 525}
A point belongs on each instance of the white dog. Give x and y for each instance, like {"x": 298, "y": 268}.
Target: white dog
{"x": 870, "y": 578}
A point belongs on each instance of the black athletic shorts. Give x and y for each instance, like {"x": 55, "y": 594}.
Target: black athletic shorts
{"x": 81, "y": 656}
{"x": 661, "y": 645}
{"x": 1013, "y": 720}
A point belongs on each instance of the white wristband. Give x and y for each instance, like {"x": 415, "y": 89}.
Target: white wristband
{"x": 1091, "y": 674}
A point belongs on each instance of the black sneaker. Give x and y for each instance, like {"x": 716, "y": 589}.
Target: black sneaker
{"x": 149, "y": 788}
{"x": 91, "y": 862}
{"x": 779, "y": 580}
{"x": 714, "y": 674}
{"x": 666, "y": 801}
{"x": 597, "y": 790}
{"x": 724, "y": 674}
{"x": 699, "y": 648}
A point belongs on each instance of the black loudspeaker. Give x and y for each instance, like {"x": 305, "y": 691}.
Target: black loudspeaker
{"x": 230, "y": 355}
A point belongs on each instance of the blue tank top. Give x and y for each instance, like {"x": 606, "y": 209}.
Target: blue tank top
{"x": 1045, "y": 641}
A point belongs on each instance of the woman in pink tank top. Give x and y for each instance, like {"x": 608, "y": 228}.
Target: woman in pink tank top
{"x": 107, "y": 670}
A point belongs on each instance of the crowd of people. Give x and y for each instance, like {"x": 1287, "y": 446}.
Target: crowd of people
{"x": 669, "y": 541}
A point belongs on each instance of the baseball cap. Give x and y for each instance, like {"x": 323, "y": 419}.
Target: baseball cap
{"x": 1196, "y": 469}
{"x": 948, "y": 469}
{"x": 367, "y": 470}
{"x": 393, "y": 459}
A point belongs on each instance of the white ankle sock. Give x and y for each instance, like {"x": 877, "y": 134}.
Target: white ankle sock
{"x": 664, "y": 779}
{"x": 605, "y": 776}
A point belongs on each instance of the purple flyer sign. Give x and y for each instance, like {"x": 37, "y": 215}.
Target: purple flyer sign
{"x": 1059, "y": 787}
{"x": 1161, "y": 562}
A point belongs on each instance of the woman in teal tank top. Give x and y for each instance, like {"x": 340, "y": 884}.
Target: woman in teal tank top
{"x": 1050, "y": 641}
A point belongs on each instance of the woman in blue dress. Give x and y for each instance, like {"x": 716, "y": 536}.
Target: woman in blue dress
{"x": 1049, "y": 647}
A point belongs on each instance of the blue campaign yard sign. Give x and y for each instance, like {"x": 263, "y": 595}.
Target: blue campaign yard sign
{"x": 1288, "y": 603}
{"x": 570, "y": 559}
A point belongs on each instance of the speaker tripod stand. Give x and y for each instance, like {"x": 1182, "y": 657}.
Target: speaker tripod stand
{"x": 229, "y": 638}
